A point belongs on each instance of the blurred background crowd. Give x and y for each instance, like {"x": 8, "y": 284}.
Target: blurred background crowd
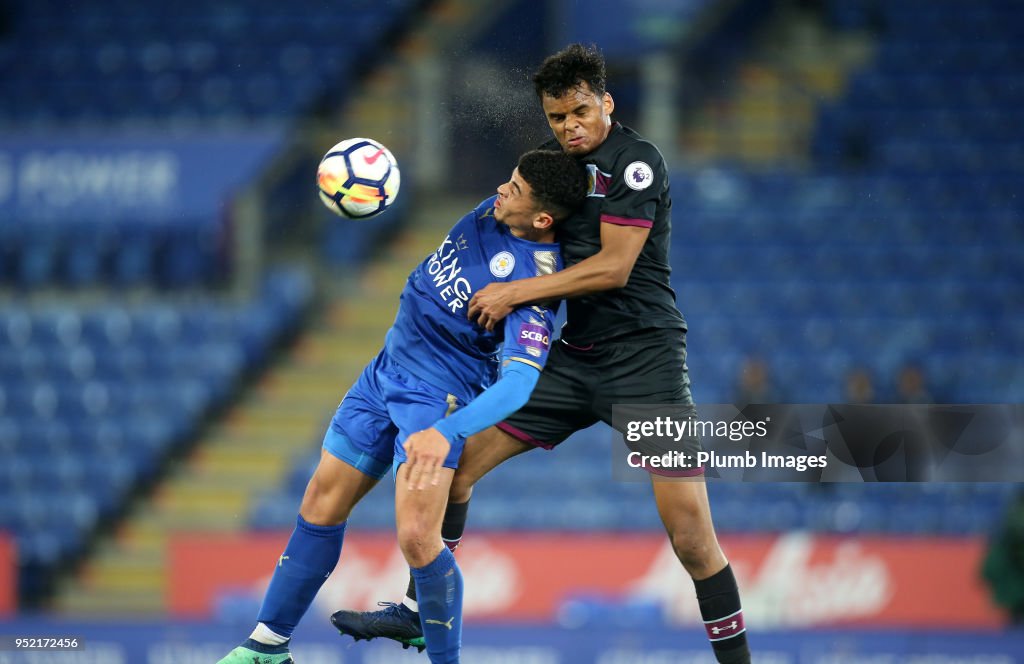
{"x": 179, "y": 315}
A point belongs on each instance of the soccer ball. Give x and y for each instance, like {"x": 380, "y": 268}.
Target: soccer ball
{"x": 358, "y": 178}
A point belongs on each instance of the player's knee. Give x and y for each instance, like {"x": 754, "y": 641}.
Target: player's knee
{"x": 693, "y": 551}
{"x": 696, "y": 547}
{"x": 320, "y": 504}
{"x": 462, "y": 488}
{"x": 418, "y": 542}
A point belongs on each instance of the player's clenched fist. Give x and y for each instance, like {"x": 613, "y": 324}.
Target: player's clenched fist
{"x": 426, "y": 451}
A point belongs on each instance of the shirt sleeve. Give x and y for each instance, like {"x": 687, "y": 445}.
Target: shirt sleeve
{"x": 637, "y": 184}
{"x": 528, "y": 332}
{"x": 507, "y": 395}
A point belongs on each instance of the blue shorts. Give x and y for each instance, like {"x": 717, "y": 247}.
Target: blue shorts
{"x": 382, "y": 409}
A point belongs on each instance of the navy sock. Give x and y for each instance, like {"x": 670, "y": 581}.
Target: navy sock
{"x": 719, "y": 600}
{"x": 439, "y": 587}
{"x": 307, "y": 561}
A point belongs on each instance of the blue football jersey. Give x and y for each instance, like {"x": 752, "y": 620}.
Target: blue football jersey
{"x": 433, "y": 338}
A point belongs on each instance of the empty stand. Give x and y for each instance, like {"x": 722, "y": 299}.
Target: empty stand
{"x": 93, "y": 400}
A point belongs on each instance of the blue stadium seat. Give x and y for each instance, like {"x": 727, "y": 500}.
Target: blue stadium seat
{"x": 109, "y": 63}
{"x": 86, "y": 412}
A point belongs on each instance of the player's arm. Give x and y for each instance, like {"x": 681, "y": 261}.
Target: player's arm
{"x": 507, "y": 395}
{"x": 426, "y": 450}
{"x": 628, "y": 211}
{"x": 607, "y": 269}
{"x": 524, "y": 352}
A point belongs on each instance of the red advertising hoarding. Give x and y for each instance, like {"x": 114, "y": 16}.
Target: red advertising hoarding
{"x": 8, "y": 576}
{"x": 793, "y": 580}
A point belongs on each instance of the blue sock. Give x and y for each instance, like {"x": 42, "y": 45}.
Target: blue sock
{"x": 439, "y": 593}
{"x": 307, "y": 561}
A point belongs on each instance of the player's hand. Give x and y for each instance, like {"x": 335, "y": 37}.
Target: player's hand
{"x": 425, "y": 451}
{"x": 492, "y": 304}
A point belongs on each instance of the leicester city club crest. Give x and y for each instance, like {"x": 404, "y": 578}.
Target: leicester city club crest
{"x": 502, "y": 264}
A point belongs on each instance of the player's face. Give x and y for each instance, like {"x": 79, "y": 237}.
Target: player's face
{"x": 580, "y": 119}
{"x": 516, "y": 208}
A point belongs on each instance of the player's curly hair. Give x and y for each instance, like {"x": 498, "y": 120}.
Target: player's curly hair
{"x": 558, "y": 182}
{"x": 565, "y": 70}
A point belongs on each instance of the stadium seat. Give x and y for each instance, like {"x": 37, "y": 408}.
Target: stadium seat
{"x": 93, "y": 399}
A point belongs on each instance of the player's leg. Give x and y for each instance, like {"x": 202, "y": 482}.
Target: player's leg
{"x": 483, "y": 453}
{"x": 308, "y": 559}
{"x": 438, "y": 580}
{"x": 315, "y": 545}
{"x": 683, "y": 506}
{"x": 349, "y": 467}
{"x": 651, "y": 369}
{"x": 557, "y": 408}
{"x": 452, "y": 526}
{"x": 413, "y": 406}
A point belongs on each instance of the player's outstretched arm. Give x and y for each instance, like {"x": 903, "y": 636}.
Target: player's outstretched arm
{"x": 507, "y": 395}
{"x": 607, "y": 269}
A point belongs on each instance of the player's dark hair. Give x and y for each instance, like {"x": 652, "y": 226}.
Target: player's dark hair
{"x": 565, "y": 70}
{"x": 559, "y": 183}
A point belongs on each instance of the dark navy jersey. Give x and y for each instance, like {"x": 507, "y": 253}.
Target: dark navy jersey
{"x": 628, "y": 187}
{"x": 433, "y": 338}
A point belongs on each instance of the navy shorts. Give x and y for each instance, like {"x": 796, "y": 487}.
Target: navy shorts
{"x": 579, "y": 386}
